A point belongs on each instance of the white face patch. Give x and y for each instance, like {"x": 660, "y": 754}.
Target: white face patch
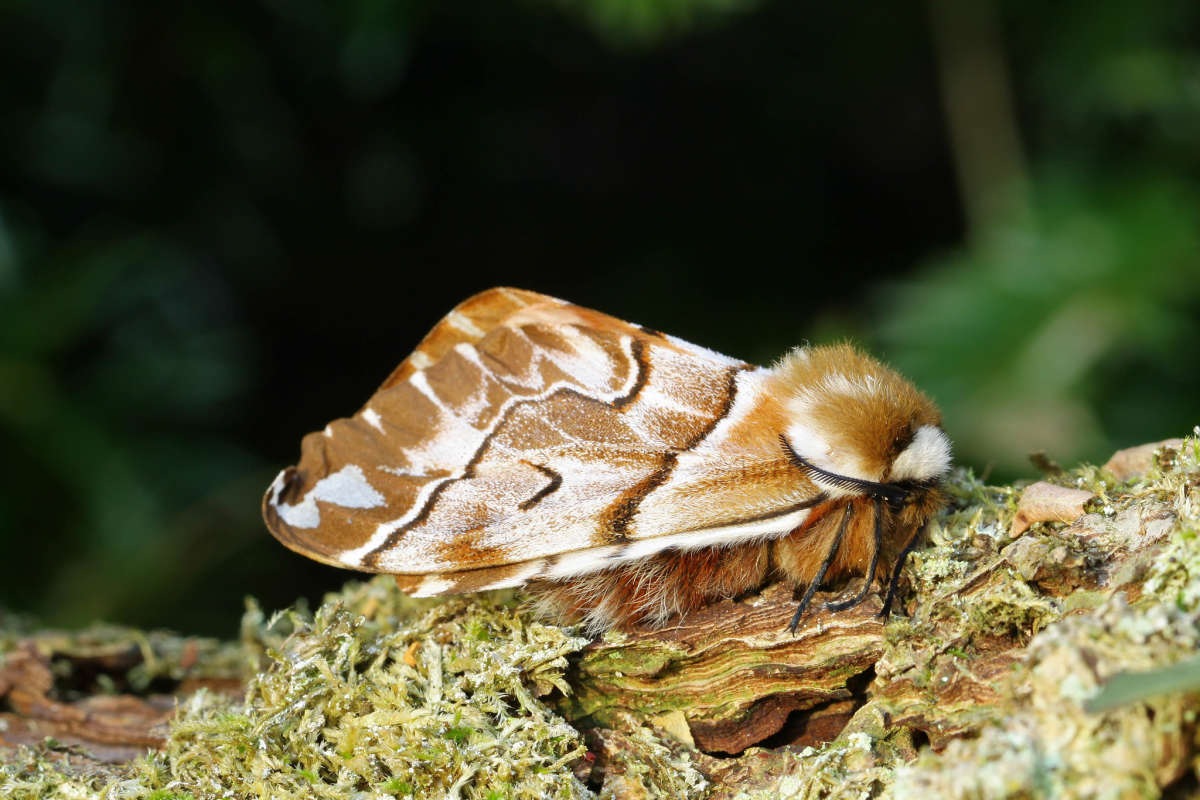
{"x": 810, "y": 445}
{"x": 926, "y": 457}
{"x": 347, "y": 488}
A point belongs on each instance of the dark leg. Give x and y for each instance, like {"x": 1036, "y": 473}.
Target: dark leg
{"x": 886, "y": 611}
{"x": 870, "y": 576}
{"x": 820, "y": 576}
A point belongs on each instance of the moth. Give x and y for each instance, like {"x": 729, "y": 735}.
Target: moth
{"x": 622, "y": 475}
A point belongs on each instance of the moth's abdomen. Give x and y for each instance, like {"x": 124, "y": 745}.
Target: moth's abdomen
{"x": 673, "y": 583}
{"x": 656, "y": 589}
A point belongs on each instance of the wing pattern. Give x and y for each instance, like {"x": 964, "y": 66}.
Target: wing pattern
{"x": 528, "y": 437}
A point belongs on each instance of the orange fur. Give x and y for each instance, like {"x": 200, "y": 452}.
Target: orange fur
{"x": 674, "y": 583}
{"x": 653, "y": 590}
{"x": 873, "y": 424}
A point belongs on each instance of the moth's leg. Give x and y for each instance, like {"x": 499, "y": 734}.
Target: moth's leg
{"x": 886, "y": 611}
{"x": 820, "y": 576}
{"x": 869, "y": 578}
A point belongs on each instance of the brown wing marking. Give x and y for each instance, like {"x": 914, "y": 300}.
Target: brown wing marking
{"x": 556, "y": 480}
{"x": 468, "y": 322}
{"x": 615, "y": 522}
{"x": 407, "y": 441}
{"x": 621, "y": 513}
{"x": 470, "y": 546}
{"x": 465, "y": 448}
{"x": 637, "y": 350}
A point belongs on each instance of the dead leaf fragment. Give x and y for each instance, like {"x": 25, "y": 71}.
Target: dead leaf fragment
{"x": 1046, "y": 502}
{"x": 674, "y": 724}
{"x": 1134, "y": 462}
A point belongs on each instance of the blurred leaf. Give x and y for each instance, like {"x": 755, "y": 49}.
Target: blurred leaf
{"x": 1131, "y": 687}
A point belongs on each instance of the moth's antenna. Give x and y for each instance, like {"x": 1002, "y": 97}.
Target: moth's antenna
{"x": 880, "y": 491}
{"x": 870, "y": 576}
{"x": 820, "y": 576}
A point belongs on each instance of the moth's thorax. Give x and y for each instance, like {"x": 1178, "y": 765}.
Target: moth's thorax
{"x": 848, "y": 414}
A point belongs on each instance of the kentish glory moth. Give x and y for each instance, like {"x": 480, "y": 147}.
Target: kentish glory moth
{"x": 620, "y": 474}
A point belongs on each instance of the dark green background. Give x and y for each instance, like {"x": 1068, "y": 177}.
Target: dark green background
{"x": 222, "y": 224}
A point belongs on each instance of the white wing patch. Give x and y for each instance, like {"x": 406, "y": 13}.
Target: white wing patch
{"x": 452, "y": 441}
{"x": 432, "y": 586}
{"x": 739, "y": 533}
{"x": 373, "y": 419}
{"x": 347, "y": 488}
{"x": 703, "y": 352}
{"x": 582, "y": 562}
{"x": 462, "y": 322}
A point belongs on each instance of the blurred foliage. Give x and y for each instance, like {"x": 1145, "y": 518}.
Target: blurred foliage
{"x": 1070, "y": 325}
{"x": 644, "y": 22}
{"x": 1070, "y": 332}
{"x": 222, "y": 224}
{"x": 108, "y": 359}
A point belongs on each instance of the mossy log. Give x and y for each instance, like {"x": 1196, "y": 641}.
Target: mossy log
{"x": 733, "y": 672}
{"x": 1022, "y": 605}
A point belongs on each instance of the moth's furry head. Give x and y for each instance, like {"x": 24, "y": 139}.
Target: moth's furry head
{"x": 849, "y": 414}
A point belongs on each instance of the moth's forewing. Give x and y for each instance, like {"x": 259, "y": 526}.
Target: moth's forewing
{"x": 528, "y": 431}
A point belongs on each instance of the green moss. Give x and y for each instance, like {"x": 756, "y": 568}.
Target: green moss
{"x": 1040, "y": 741}
{"x": 440, "y": 698}
{"x": 373, "y": 693}
{"x": 647, "y": 764}
{"x": 376, "y": 695}
{"x": 1045, "y": 743}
